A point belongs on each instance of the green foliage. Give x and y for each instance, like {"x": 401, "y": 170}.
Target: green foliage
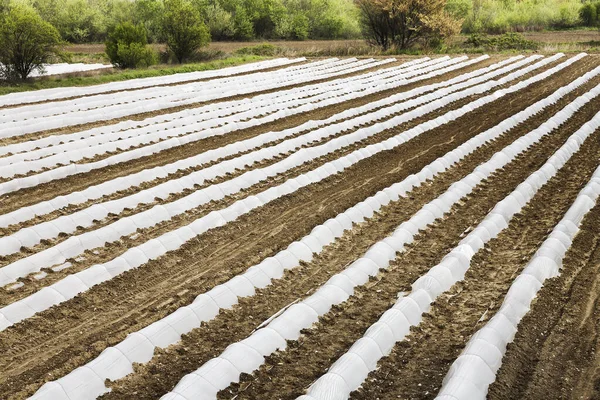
{"x": 589, "y": 14}
{"x": 27, "y": 42}
{"x": 506, "y": 41}
{"x": 82, "y": 21}
{"x": 319, "y": 19}
{"x": 265, "y": 49}
{"x": 459, "y": 9}
{"x": 148, "y": 13}
{"x": 127, "y": 47}
{"x": 220, "y": 22}
{"x": 184, "y": 30}
{"x": 136, "y": 55}
{"x": 299, "y": 27}
{"x": 243, "y": 28}
{"x": 499, "y": 16}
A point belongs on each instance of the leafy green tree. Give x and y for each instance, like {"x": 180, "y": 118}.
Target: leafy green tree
{"x": 589, "y": 14}
{"x": 299, "y": 27}
{"x": 184, "y": 29}
{"x": 459, "y": 9}
{"x": 127, "y": 46}
{"x": 148, "y": 13}
{"x": 78, "y": 22}
{"x": 220, "y": 22}
{"x": 27, "y": 42}
{"x": 244, "y": 30}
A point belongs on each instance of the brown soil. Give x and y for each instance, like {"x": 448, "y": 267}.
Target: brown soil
{"x": 50, "y": 190}
{"x": 142, "y": 116}
{"x": 286, "y": 374}
{"x": 54, "y": 342}
{"x": 554, "y": 354}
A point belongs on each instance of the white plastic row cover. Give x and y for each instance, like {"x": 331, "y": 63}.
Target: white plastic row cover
{"x": 203, "y": 118}
{"x": 64, "y": 68}
{"x": 61, "y": 172}
{"x": 348, "y": 372}
{"x": 172, "y": 240}
{"x": 168, "y": 330}
{"x": 69, "y": 223}
{"x": 58, "y": 93}
{"x": 154, "y": 248}
{"x": 205, "y": 307}
{"x": 213, "y": 110}
{"x": 77, "y": 244}
{"x": 63, "y": 107}
{"x": 19, "y": 164}
{"x": 17, "y": 128}
{"x": 133, "y": 180}
{"x": 475, "y": 369}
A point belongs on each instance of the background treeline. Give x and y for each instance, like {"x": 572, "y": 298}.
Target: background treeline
{"x": 499, "y": 16}
{"x": 83, "y": 21}
{"x": 89, "y": 21}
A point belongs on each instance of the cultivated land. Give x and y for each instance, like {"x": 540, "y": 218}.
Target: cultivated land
{"x": 386, "y": 228}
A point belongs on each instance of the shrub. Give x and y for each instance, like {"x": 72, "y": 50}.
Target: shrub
{"x": 136, "y": 55}
{"x": 500, "y": 16}
{"x": 127, "y": 47}
{"x": 589, "y": 14}
{"x": 507, "y": 41}
{"x": 26, "y": 43}
{"x": 403, "y": 23}
{"x": 459, "y": 9}
{"x": 220, "y": 23}
{"x": 184, "y": 29}
{"x": 299, "y": 27}
{"x": 244, "y": 30}
{"x": 265, "y": 49}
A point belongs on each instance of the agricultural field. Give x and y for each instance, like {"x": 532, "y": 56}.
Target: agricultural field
{"x": 311, "y": 229}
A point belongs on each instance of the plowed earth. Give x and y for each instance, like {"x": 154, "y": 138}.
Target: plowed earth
{"x": 554, "y": 354}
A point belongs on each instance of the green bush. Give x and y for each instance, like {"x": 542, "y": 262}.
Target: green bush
{"x": 299, "y": 27}
{"x": 136, "y": 55}
{"x": 499, "y": 16}
{"x": 507, "y": 41}
{"x": 184, "y": 29}
{"x": 26, "y": 42}
{"x": 243, "y": 28}
{"x": 589, "y": 14}
{"x": 220, "y": 22}
{"x": 127, "y": 47}
{"x": 459, "y": 9}
{"x": 265, "y": 50}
